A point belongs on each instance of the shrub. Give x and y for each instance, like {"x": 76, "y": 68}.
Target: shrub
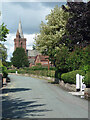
{"x": 11, "y": 71}
{"x": 87, "y": 79}
{"x": 4, "y": 72}
{"x": 70, "y": 77}
{"x": 38, "y": 64}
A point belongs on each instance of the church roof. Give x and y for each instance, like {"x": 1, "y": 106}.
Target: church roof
{"x": 20, "y": 29}
{"x": 32, "y": 53}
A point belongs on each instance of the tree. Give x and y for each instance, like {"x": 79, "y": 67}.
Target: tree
{"x": 78, "y": 26}
{"x": 61, "y": 60}
{"x": 3, "y": 32}
{"x": 50, "y": 38}
{"x": 20, "y": 58}
{"x": 3, "y": 52}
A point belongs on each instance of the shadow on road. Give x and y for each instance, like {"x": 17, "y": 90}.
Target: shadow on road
{"x": 17, "y": 108}
{"x": 7, "y": 90}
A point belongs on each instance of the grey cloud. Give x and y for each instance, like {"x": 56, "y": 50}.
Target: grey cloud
{"x": 31, "y": 15}
{"x": 52, "y": 4}
{"x": 37, "y": 5}
{"x": 28, "y": 5}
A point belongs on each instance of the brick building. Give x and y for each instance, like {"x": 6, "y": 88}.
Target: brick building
{"x": 42, "y": 59}
{"x": 19, "y": 41}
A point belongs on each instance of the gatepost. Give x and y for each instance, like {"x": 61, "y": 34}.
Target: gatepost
{"x": 77, "y": 83}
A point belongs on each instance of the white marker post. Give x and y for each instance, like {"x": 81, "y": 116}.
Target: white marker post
{"x": 16, "y": 72}
{"x": 77, "y": 82}
{"x": 81, "y": 77}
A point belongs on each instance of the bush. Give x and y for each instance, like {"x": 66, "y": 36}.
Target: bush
{"x": 11, "y": 71}
{"x": 4, "y": 72}
{"x": 87, "y": 79}
{"x": 70, "y": 77}
{"x": 38, "y": 64}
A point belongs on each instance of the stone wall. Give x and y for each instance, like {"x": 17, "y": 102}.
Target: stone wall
{"x": 67, "y": 86}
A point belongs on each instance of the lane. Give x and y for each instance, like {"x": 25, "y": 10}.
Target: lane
{"x": 27, "y": 97}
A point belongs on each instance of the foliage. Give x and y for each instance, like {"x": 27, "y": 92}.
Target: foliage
{"x": 34, "y": 71}
{"x": 0, "y": 63}
{"x": 86, "y": 57}
{"x": 75, "y": 59}
{"x": 20, "y": 58}
{"x": 61, "y": 60}
{"x": 78, "y": 26}
{"x": 38, "y": 64}
{"x": 87, "y": 79}
{"x": 50, "y": 37}
{"x": 3, "y": 32}
{"x": 8, "y": 64}
{"x": 70, "y": 77}
{"x": 12, "y": 70}
{"x": 3, "y": 53}
{"x": 4, "y": 72}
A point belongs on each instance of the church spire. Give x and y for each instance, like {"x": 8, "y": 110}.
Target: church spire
{"x": 20, "y": 30}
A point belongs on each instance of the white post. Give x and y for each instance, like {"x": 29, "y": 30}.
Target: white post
{"x": 77, "y": 82}
{"x": 16, "y": 72}
{"x": 81, "y": 84}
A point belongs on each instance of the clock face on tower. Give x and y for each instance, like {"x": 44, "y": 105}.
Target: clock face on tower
{"x": 20, "y": 41}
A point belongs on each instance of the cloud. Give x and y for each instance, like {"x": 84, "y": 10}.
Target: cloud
{"x": 9, "y": 44}
{"x": 31, "y": 18}
{"x": 30, "y": 13}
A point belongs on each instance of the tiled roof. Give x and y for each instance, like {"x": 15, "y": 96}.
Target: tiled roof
{"x": 42, "y": 57}
{"x": 32, "y": 53}
{"x": 31, "y": 60}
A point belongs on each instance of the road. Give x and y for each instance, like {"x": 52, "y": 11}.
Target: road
{"x": 27, "y": 97}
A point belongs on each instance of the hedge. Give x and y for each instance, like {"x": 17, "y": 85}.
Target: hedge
{"x": 11, "y": 71}
{"x": 70, "y": 77}
{"x": 87, "y": 79}
{"x": 4, "y": 72}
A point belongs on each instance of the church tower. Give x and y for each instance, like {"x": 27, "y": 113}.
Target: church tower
{"x": 19, "y": 41}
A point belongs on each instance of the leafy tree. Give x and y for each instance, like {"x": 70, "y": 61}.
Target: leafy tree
{"x": 3, "y": 32}
{"x": 20, "y": 58}
{"x": 8, "y": 64}
{"x": 61, "y": 60}
{"x": 50, "y": 37}
{"x": 78, "y": 26}
{"x": 3, "y": 35}
{"x": 75, "y": 59}
{"x": 3, "y": 52}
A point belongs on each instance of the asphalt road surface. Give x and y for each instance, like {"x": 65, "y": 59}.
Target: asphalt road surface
{"x": 27, "y": 97}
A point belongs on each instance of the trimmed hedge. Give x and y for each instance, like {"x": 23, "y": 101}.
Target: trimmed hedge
{"x": 87, "y": 79}
{"x": 70, "y": 77}
{"x": 11, "y": 71}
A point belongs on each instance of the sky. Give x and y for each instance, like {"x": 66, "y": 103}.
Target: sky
{"x": 31, "y": 14}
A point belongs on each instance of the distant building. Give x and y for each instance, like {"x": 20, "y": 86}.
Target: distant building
{"x": 42, "y": 59}
{"x": 19, "y": 41}
{"x": 34, "y": 56}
